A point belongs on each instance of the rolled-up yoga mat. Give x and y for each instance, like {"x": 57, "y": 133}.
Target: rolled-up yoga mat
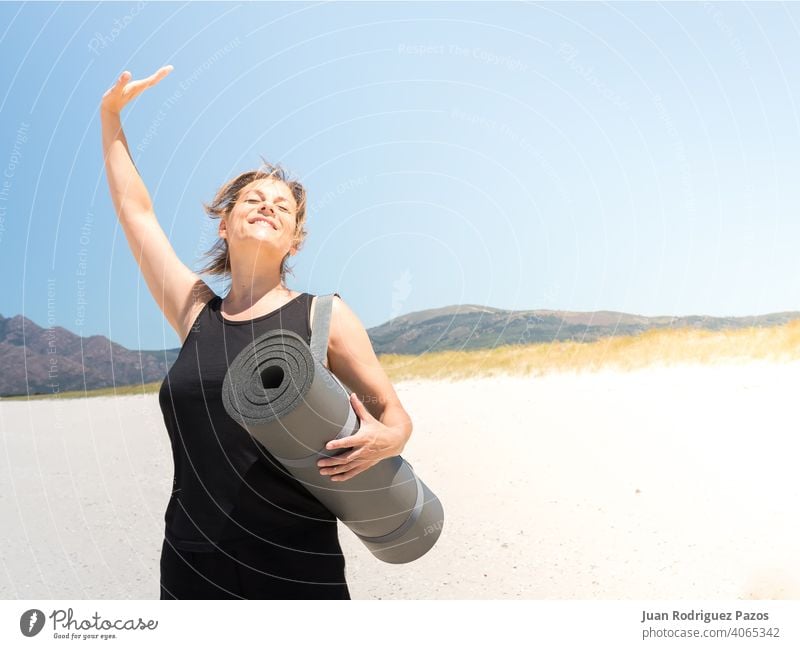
{"x": 278, "y": 389}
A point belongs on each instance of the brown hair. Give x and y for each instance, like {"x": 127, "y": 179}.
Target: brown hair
{"x": 224, "y": 200}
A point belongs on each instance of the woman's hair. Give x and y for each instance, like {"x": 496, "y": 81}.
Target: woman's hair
{"x": 223, "y": 203}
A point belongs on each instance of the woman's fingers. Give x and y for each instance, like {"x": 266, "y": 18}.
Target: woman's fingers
{"x": 344, "y": 458}
{"x": 136, "y": 87}
{"x": 333, "y": 461}
{"x": 336, "y": 471}
{"x": 350, "y": 459}
{"x": 157, "y": 76}
{"x": 122, "y": 82}
{"x": 118, "y": 85}
{"x": 346, "y": 465}
{"x": 338, "y": 468}
{"x": 333, "y": 470}
{"x": 354, "y": 440}
{"x": 124, "y": 90}
{"x": 350, "y": 474}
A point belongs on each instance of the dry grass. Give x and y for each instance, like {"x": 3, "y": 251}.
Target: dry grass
{"x": 655, "y": 347}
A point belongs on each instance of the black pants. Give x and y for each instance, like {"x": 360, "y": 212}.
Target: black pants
{"x": 300, "y": 563}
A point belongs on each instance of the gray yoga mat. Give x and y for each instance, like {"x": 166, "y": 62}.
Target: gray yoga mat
{"x": 284, "y": 396}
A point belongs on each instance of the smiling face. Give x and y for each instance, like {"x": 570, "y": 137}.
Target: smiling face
{"x": 265, "y": 214}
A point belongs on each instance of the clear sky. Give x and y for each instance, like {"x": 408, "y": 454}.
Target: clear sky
{"x": 582, "y": 156}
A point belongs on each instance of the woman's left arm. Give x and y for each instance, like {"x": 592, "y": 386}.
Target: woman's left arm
{"x": 385, "y": 425}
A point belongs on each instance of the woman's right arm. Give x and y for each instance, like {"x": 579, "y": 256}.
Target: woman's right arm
{"x": 179, "y": 292}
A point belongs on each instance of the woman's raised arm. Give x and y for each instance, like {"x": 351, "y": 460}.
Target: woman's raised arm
{"x": 178, "y": 291}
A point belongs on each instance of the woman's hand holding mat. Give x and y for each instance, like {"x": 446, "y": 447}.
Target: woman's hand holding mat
{"x": 374, "y": 441}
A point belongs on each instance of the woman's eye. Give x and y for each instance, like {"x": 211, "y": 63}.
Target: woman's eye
{"x": 284, "y": 209}
{"x": 251, "y": 200}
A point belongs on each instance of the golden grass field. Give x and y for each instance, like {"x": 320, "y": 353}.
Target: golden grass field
{"x": 656, "y": 347}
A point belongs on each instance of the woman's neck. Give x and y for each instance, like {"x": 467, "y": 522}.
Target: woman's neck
{"x": 243, "y": 295}
{"x": 253, "y": 278}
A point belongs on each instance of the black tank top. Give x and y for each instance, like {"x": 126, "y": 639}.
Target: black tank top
{"x": 226, "y": 485}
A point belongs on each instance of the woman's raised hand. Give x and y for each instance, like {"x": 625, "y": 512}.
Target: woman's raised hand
{"x": 118, "y": 95}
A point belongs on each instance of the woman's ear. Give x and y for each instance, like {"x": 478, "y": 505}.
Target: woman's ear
{"x": 223, "y": 228}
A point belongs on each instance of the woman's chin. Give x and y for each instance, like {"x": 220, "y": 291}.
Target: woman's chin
{"x": 260, "y": 237}
{"x": 257, "y": 243}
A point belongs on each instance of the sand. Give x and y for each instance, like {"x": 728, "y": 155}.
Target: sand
{"x": 662, "y": 483}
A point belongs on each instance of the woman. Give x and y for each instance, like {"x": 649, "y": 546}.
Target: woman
{"x": 237, "y": 524}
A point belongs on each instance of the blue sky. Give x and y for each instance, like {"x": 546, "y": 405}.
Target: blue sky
{"x": 631, "y": 157}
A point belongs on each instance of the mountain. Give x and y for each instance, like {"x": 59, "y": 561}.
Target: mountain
{"x": 470, "y": 326}
{"x": 53, "y": 360}
{"x": 56, "y": 360}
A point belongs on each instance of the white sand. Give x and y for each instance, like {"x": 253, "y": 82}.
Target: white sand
{"x": 673, "y": 483}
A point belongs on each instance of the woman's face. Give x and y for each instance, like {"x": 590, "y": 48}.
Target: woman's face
{"x": 264, "y": 213}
